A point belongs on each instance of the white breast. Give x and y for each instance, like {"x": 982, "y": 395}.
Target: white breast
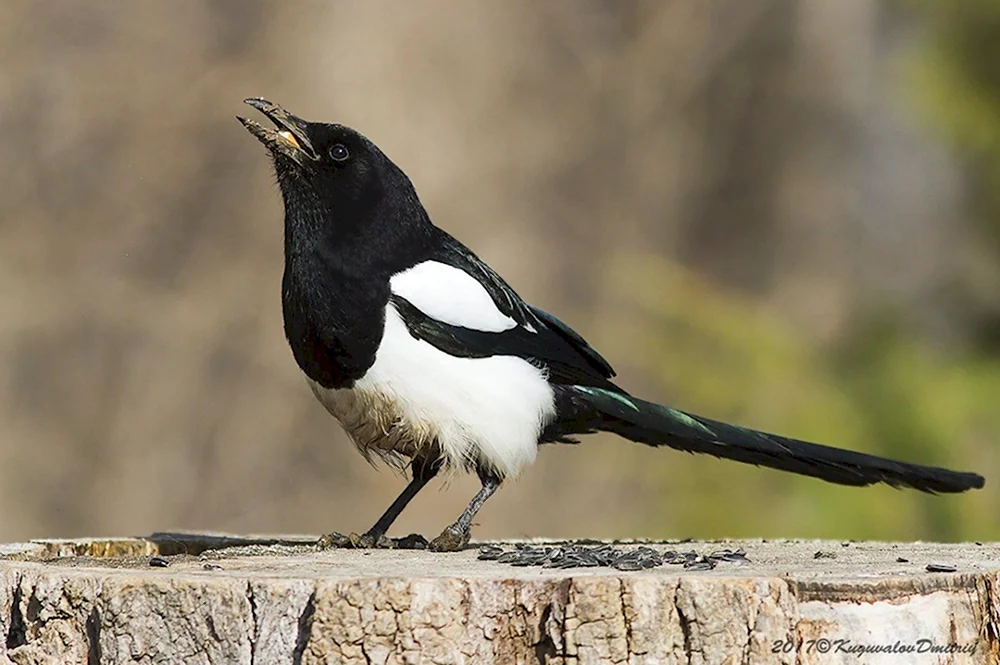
{"x": 490, "y": 410}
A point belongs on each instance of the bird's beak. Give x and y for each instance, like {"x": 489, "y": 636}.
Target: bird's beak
{"x": 289, "y": 136}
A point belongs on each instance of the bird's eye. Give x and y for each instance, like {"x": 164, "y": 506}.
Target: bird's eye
{"x": 339, "y": 152}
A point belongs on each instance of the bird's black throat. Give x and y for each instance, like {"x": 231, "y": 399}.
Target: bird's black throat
{"x": 339, "y": 256}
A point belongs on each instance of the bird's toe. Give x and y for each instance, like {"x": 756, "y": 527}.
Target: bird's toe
{"x": 414, "y": 541}
{"x": 350, "y": 541}
{"x": 381, "y": 542}
{"x": 364, "y": 541}
{"x": 450, "y": 540}
{"x": 333, "y": 541}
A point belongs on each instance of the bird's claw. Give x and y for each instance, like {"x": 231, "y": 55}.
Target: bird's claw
{"x": 368, "y": 541}
{"x": 414, "y": 541}
{"x": 334, "y": 540}
{"x": 364, "y": 541}
{"x": 450, "y": 540}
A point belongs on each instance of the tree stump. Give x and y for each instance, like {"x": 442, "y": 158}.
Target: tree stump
{"x": 196, "y": 598}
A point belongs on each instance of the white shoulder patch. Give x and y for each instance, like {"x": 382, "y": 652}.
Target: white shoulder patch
{"x": 451, "y": 296}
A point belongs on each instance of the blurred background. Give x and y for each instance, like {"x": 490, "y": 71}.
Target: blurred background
{"x": 783, "y": 213}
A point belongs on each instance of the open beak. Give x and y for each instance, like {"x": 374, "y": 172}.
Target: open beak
{"x": 289, "y": 137}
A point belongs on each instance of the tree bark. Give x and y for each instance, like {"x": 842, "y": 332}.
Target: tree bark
{"x": 227, "y": 599}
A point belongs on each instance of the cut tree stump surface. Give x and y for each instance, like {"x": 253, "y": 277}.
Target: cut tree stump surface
{"x": 201, "y": 598}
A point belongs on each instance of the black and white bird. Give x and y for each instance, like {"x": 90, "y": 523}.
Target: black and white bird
{"x": 428, "y": 358}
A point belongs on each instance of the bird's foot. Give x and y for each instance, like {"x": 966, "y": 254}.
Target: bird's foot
{"x": 368, "y": 541}
{"x": 414, "y": 541}
{"x": 451, "y": 539}
{"x": 364, "y": 541}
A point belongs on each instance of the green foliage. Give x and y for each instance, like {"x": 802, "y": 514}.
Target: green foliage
{"x": 727, "y": 358}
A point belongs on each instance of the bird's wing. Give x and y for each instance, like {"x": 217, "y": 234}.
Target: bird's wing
{"x": 460, "y": 305}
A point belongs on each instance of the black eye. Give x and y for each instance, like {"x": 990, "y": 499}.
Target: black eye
{"x": 339, "y": 152}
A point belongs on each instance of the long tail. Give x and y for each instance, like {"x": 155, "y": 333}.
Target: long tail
{"x": 583, "y": 409}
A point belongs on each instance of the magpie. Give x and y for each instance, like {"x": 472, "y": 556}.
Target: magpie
{"x": 429, "y": 359}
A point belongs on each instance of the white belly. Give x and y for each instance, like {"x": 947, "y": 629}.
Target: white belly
{"x": 486, "y": 410}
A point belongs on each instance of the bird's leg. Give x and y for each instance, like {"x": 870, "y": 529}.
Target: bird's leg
{"x": 423, "y": 470}
{"x": 456, "y": 536}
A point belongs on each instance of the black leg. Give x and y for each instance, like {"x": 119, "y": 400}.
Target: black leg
{"x": 456, "y": 536}
{"x": 423, "y": 470}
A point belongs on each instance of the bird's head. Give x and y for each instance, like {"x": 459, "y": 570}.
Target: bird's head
{"x": 328, "y": 166}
